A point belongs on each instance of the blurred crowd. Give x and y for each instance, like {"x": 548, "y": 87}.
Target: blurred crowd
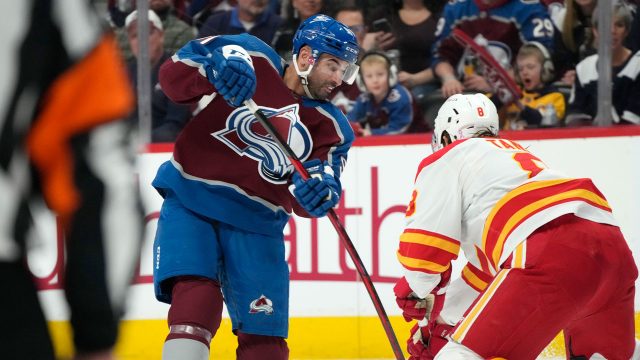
{"x": 537, "y": 60}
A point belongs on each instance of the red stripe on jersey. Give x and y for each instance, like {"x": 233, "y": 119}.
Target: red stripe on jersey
{"x": 423, "y": 252}
{"x": 528, "y": 200}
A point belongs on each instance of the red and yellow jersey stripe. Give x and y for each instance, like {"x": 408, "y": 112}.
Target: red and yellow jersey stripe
{"x": 529, "y": 199}
{"x": 475, "y": 277}
{"x": 427, "y": 251}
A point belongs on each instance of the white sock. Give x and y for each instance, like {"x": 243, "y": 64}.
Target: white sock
{"x": 184, "y": 349}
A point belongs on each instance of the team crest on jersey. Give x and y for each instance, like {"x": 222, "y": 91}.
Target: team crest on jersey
{"x": 247, "y": 137}
{"x": 261, "y": 304}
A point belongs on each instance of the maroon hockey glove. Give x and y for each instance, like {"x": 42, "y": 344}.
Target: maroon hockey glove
{"x": 425, "y": 342}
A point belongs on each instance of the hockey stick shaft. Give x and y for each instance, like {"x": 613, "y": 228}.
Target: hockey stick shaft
{"x": 342, "y": 232}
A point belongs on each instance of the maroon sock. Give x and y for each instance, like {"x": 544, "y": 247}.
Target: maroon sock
{"x": 258, "y": 347}
{"x": 197, "y": 302}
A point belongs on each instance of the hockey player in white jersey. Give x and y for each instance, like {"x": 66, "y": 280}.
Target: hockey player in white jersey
{"x": 548, "y": 243}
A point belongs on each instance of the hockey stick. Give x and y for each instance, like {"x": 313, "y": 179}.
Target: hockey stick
{"x": 344, "y": 237}
{"x": 505, "y": 87}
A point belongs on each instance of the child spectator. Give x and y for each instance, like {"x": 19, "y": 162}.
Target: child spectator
{"x": 583, "y": 103}
{"x": 385, "y": 107}
{"x": 542, "y": 104}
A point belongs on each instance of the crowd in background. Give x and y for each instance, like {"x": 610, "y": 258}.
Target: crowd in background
{"x": 410, "y": 59}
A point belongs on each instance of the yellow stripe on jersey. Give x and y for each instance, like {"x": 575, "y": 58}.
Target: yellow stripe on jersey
{"x": 493, "y": 242}
{"x": 418, "y": 264}
{"x": 472, "y": 279}
{"x": 512, "y": 194}
{"x": 519, "y": 256}
{"x": 430, "y": 240}
{"x": 535, "y": 207}
{"x": 469, "y": 319}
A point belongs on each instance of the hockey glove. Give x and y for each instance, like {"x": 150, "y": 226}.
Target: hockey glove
{"x": 415, "y": 308}
{"x": 320, "y": 192}
{"x": 232, "y": 74}
{"x": 425, "y": 341}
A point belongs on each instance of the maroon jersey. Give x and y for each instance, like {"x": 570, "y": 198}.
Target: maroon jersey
{"x": 225, "y": 165}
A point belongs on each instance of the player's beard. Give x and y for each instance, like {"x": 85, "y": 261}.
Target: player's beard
{"x": 320, "y": 89}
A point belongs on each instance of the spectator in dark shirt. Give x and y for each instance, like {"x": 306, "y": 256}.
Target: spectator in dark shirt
{"x": 167, "y": 117}
{"x": 249, "y": 16}
{"x": 583, "y": 103}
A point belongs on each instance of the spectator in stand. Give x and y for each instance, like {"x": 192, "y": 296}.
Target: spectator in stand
{"x": 345, "y": 95}
{"x": 413, "y": 26}
{"x": 573, "y": 39}
{"x": 200, "y": 10}
{"x": 176, "y": 32}
{"x": 385, "y": 107}
{"x": 542, "y": 104}
{"x": 167, "y": 117}
{"x": 296, "y": 12}
{"x": 583, "y": 103}
{"x": 502, "y": 28}
{"x": 249, "y": 16}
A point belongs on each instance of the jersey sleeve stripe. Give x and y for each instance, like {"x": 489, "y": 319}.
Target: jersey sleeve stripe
{"x": 423, "y": 265}
{"x": 473, "y": 279}
{"x": 427, "y": 238}
{"x": 530, "y": 199}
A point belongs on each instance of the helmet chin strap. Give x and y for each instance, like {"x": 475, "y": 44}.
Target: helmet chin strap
{"x": 302, "y": 75}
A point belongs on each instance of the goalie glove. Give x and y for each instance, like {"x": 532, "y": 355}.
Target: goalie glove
{"x": 320, "y": 192}
{"x": 232, "y": 73}
{"x": 426, "y": 339}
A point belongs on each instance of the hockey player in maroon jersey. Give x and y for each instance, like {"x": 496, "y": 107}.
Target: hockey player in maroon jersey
{"x": 549, "y": 243}
{"x": 226, "y": 188}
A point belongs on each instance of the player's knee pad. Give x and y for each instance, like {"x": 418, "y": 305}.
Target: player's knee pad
{"x": 196, "y": 309}
{"x": 256, "y": 347}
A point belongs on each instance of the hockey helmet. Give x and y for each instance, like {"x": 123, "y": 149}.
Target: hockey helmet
{"x": 463, "y": 116}
{"x": 323, "y": 34}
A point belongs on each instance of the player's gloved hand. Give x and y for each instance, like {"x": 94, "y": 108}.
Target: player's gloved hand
{"x": 232, "y": 74}
{"x": 320, "y": 192}
{"x": 413, "y": 307}
{"x": 425, "y": 341}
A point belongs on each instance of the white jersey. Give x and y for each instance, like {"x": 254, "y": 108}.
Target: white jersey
{"x": 486, "y": 196}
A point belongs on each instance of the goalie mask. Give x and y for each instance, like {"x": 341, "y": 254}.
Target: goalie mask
{"x": 324, "y": 34}
{"x": 464, "y": 116}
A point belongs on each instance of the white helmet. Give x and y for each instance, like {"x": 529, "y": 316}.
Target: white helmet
{"x": 463, "y": 116}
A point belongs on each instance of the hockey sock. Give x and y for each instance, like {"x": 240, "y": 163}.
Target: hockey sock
{"x": 257, "y": 347}
{"x": 194, "y": 317}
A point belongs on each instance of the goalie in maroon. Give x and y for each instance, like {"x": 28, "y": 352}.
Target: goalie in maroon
{"x": 227, "y": 187}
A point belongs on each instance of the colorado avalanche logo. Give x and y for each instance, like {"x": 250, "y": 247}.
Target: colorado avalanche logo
{"x": 261, "y": 304}
{"x": 247, "y": 137}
